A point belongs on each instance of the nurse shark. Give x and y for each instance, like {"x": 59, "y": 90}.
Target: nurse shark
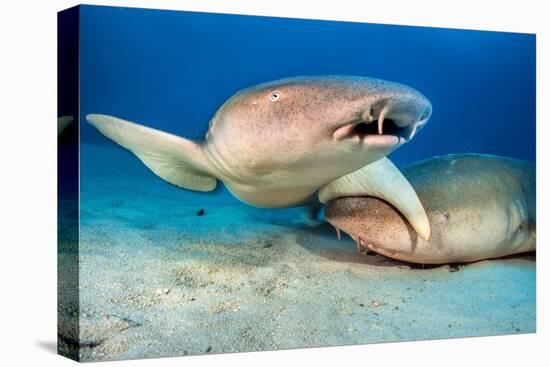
{"x": 479, "y": 206}
{"x": 279, "y": 143}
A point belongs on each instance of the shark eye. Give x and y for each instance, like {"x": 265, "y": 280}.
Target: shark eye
{"x": 274, "y": 96}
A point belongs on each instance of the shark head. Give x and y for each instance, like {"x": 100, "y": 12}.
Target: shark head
{"x": 332, "y": 125}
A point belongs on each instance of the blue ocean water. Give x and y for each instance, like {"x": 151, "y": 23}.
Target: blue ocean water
{"x": 171, "y": 70}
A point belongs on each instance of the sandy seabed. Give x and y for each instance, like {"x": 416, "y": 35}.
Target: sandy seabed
{"x": 159, "y": 277}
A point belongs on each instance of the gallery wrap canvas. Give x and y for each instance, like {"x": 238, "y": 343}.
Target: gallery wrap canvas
{"x": 232, "y": 183}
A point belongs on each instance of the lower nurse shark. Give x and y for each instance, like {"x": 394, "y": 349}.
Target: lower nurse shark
{"x": 277, "y": 144}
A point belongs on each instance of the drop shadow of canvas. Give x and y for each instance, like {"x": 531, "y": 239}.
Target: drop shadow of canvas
{"x": 48, "y": 345}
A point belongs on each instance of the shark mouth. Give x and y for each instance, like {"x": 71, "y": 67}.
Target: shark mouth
{"x": 360, "y": 245}
{"x": 364, "y": 247}
{"x": 382, "y": 127}
{"x": 394, "y": 125}
{"x": 379, "y": 130}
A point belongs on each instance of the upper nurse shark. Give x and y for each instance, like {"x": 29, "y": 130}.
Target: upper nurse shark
{"x": 276, "y": 144}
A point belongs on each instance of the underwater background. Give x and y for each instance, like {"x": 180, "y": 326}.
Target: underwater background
{"x": 159, "y": 279}
{"x": 172, "y": 70}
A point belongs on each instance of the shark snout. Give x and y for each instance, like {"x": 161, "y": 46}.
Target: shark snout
{"x": 372, "y": 223}
{"x": 402, "y": 115}
{"x": 392, "y": 119}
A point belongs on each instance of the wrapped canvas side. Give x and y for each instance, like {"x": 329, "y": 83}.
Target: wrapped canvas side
{"x": 68, "y": 338}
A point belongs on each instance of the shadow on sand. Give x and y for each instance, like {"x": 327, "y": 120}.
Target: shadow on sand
{"x": 344, "y": 250}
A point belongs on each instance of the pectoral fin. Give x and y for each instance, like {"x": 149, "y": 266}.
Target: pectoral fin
{"x": 381, "y": 179}
{"x": 176, "y": 160}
